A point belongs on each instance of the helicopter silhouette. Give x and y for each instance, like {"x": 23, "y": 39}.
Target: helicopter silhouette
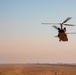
{"x": 62, "y": 35}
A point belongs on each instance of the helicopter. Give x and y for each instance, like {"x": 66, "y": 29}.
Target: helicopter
{"x": 62, "y": 35}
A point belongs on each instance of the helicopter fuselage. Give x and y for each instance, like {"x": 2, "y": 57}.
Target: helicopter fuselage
{"x": 62, "y": 35}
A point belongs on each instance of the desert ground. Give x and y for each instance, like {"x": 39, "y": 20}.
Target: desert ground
{"x": 35, "y": 69}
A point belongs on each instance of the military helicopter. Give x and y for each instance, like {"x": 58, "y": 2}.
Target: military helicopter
{"x": 62, "y": 35}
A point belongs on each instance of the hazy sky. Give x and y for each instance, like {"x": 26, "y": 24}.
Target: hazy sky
{"x": 23, "y": 39}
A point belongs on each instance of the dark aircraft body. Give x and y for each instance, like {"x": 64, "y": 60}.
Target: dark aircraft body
{"x": 62, "y": 35}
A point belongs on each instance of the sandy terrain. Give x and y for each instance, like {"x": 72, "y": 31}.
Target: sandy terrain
{"x": 37, "y": 70}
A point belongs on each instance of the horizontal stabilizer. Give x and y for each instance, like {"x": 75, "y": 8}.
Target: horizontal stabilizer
{"x": 55, "y": 36}
{"x": 71, "y": 33}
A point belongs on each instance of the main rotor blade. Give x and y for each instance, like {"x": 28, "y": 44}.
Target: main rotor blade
{"x": 66, "y": 20}
{"x": 51, "y": 23}
{"x": 69, "y": 25}
{"x": 71, "y": 33}
{"x": 55, "y": 27}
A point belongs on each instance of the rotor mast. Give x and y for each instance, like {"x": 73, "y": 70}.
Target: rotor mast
{"x": 62, "y": 25}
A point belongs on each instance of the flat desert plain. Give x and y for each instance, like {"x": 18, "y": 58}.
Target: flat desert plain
{"x": 34, "y": 69}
